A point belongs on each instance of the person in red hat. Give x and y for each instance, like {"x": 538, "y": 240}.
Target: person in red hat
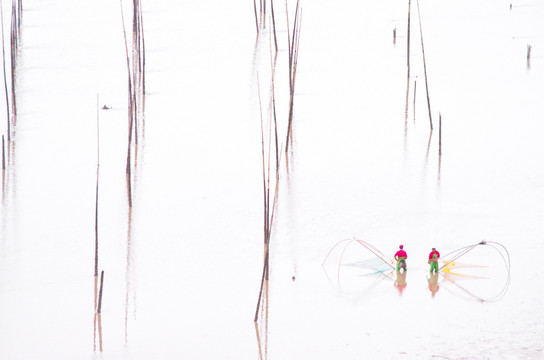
{"x": 401, "y": 257}
{"x": 433, "y": 260}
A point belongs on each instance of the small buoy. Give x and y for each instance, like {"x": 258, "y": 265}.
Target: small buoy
{"x": 293, "y": 278}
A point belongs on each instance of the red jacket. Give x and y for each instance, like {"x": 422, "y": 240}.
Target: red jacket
{"x": 401, "y": 253}
{"x": 432, "y": 253}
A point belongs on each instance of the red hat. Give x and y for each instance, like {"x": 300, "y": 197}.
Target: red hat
{"x": 401, "y": 246}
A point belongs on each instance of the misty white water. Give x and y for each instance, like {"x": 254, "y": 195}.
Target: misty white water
{"x": 183, "y": 269}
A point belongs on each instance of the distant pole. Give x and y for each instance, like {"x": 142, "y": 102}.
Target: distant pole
{"x": 529, "y": 48}
{"x": 440, "y": 134}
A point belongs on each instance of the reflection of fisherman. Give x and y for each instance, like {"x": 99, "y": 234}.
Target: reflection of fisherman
{"x": 433, "y": 284}
{"x": 400, "y": 281}
{"x": 401, "y": 257}
{"x": 433, "y": 260}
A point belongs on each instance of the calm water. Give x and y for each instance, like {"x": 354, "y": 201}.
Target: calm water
{"x": 183, "y": 267}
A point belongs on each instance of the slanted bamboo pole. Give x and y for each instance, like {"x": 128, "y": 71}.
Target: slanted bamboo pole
{"x": 265, "y": 208}
{"x": 8, "y": 117}
{"x": 425, "y": 68}
{"x": 256, "y": 17}
{"x": 293, "y": 61}
{"x": 274, "y": 24}
{"x": 130, "y": 111}
{"x": 99, "y": 308}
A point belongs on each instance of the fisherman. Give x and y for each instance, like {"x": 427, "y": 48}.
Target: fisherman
{"x": 433, "y": 260}
{"x": 401, "y": 257}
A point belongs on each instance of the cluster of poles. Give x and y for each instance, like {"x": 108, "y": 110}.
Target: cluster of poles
{"x": 135, "y": 58}
{"x": 408, "y": 78}
{"x": 269, "y": 134}
{"x": 9, "y": 67}
{"x": 271, "y": 150}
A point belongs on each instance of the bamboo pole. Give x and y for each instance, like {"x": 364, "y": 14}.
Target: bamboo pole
{"x": 96, "y": 195}
{"x": 99, "y": 309}
{"x": 8, "y": 117}
{"x": 293, "y": 61}
{"x": 408, "y": 39}
{"x": 407, "y": 69}
{"x": 274, "y": 24}
{"x": 425, "y": 68}
{"x": 256, "y": 17}
{"x": 440, "y": 134}
{"x": 130, "y": 111}
{"x": 143, "y": 59}
{"x": 14, "y": 46}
